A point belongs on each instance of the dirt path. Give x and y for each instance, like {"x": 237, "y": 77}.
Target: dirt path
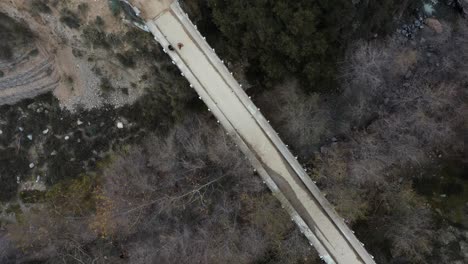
{"x": 71, "y": 78}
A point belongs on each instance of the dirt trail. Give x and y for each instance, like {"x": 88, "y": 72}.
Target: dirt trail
{"x": 55, "y": 68}
{"x": 28, "y": 76}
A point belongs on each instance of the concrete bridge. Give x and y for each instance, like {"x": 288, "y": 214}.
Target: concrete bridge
{"x": 223, "y": 95}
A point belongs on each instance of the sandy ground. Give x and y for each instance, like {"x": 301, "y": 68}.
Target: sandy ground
{"x": 76, "y": 83}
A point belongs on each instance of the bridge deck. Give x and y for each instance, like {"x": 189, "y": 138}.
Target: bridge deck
{"x": 240, "y": 117}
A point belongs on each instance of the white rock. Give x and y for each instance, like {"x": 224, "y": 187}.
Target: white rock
{"x": 67, "y": 137}
{"x": 38, "y": 178}
{"x": 30, "y": 137}
{"x": 20, "y": 129}
{"x": 78, "y": 122}
{"x": 45, "y": 131}
{"x": 18, "y": 179}
{"x": 1, "y": 132}
{"x": 31, "y": 165}
{"x": 120, "y": 125}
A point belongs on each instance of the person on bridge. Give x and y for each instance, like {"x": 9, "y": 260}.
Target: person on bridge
{"x": 180, "y": 45}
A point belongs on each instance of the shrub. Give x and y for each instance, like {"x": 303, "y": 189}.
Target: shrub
{"x": 41, "y": 6}
{"x": 34, "y": 53}
{"x": 73, "y": 197}
{"x": 70, "y": 19}
{"x": 62, "y": 167}
{"x": 12, "y": 165}
{"x": 6, "y": 52}
{"x": 99, "y": 21}
{"x": 95, "y": 37}
{"x": 288, "y": 45}
{"x": 304, "y": 39}
{"x": 126, "y": 59}
{"x": 106, "y": 85}
{"x": 77, "y": 53}
{"x": 114, "y": 40}
{"x": 83, "y": 8}
{"x": 32, "y": 196}
{"x": 14, "y": 35}
{"x": 115, "y": 6}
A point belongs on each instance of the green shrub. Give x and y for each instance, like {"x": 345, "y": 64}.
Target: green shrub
{"x": 113, "y": 40}
{"x": 303, "y": 39}
{"x": 83, "y": 8}
{"x": 16, "y": 209}
{"x": 279, "y": 39}
{"x": 34, "y": 53}
{"x": 126, "y": 59}
{"x": 12, "y": 164}
{"x": 115, "y": 7}
{"x": 6, "y": 52}
{"x": 41, "y": 6}
{"x": 99, "y": 21}
{"x": 95, "y": 37}
{"x": 62, "y": 167}
{"x": 74, "y": 196}
{"x": 70, "y": 19}
{"x": 32, "y": 196}
{"x": 106, "y": 85}
{"x": 77, "y": 53}
{"x": 13, "y": 35}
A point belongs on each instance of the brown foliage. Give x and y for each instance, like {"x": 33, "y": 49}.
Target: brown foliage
{"x": 402, "y": 107}
{"x": 190, "y": 197}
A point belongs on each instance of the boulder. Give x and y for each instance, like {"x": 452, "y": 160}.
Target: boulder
{"x": 434, "y": 24}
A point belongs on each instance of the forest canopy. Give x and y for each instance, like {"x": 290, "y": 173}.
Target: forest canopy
{"x": 301, "y": 38}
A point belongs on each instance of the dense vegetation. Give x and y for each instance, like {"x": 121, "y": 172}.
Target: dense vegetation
{"x": 72, "y": 217}
{"x": 388, "y": 151}
{"x": 187, "y": 197}
{"x": 170, "y": 187}
{"x": 279, "y": 39}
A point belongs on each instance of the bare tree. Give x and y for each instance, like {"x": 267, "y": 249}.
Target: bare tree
{"x": 302, "y": 120}
{"x": 407, "y": 224}
{"x": 185, "y": 198}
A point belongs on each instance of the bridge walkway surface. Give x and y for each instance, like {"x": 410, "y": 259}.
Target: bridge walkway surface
{"x": 223, "y": 95}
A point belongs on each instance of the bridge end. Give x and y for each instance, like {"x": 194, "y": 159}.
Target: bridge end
{"x": 150, "y": 9}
